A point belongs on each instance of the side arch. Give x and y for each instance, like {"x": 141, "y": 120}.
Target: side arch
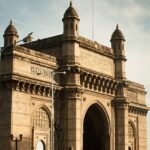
{"x": 131, "y": 135}
{"x": 133, "y": 127}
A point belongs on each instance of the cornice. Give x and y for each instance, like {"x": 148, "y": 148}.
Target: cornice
{"x": 95, "y": 81}
{"x": 99, "y": 94}
{"x": 32, "y": 53}
{"x": 17, "y": 76}
{"x": 98, "y": 83}
{"x": 35, "y": 88}
{"x": 138, "y": 110}
{"x": 95, "y": 47}
{"x": 46, "y": 43}
{"x": 96, "y": 73}
{"x": 58, "y": 40}
{"x": 135, "y": 87}
{"x": 30, "y": 56}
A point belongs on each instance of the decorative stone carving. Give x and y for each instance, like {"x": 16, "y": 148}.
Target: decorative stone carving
{"x": 37, "y": 89}
{"x": 138, "y": 110}
{"x": 28, "y": 89}
{"x": 98, "y": 83}
{"x": 41, "y": 119}
{"x": 41, "y": 71}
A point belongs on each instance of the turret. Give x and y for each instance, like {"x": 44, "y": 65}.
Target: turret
{"x": 71, "y": 22}
{"x": 117, "y": 44}
{"x": 10, "y": 35}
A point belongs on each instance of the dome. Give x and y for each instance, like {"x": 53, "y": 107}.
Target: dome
{"x": 71, "y": 12}
{"x": 11, "y": 29}
{"x": 117, "y": 34}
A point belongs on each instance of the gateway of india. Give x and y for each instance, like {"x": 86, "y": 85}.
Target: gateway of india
{"x": 67, "y": 92}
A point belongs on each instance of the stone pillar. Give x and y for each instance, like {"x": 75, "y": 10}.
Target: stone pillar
{"x": 71, "y": 118}
{"x": 121, "y": 127}
{"x": 5, "y": 116}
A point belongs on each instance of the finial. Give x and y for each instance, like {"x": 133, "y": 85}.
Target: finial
{"x": 70, "y": 3}
{"x": 11, "y": 21}
{"x": 117, "y": 27}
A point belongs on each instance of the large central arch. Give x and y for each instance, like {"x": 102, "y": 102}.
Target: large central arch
{"x": 96, "y": 129}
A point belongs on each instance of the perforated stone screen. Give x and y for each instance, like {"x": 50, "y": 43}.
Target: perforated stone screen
{"x": 41, "y": 119}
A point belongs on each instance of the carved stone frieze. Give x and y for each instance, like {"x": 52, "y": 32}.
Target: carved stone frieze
{"x": 41, "y": 71}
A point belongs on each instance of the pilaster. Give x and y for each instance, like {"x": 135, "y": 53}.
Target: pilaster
{"x": 5, "y": 114}
{"x": 72, "y": 121}
{"x": 121, "y": 111}
{"x": 121, "y": 117}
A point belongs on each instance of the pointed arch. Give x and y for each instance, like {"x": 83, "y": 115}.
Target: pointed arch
{"x": 102, "y": 109}
{"x": 96, "y": 127}
{"x": 131, "y": 135}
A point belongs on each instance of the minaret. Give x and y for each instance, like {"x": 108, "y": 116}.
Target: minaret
{"x": 71, "y": 22}
{"x": 10, "y": 35}
{"x": 117, "y": 44}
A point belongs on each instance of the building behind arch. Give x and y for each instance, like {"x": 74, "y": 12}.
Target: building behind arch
{"x": 96, "y": 106}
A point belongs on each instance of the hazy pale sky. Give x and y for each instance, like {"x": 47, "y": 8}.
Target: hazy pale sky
{"x": 44, "y": 18}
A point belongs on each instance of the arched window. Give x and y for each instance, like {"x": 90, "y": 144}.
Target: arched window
{"x": 130, "y": 130}
{"x": 131, "y": 136}
{"x": 40, "y": 145}
{"x": 41, "y": 118}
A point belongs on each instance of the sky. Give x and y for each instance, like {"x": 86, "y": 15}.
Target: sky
{"x": 44, "y": 18}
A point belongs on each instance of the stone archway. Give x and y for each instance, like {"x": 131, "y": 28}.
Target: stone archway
{"x": 96, "y": 129}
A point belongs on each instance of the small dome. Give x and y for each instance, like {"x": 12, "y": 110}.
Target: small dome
{"x": 11, "y": 29}
{"x": 71, "y": 12}
{"x": 117, "y": 34}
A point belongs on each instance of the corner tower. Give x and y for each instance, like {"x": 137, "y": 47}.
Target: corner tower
{"x": 71, "y": 22}
{"x": 10, "y": 35}
{"x": 117, "y": 44}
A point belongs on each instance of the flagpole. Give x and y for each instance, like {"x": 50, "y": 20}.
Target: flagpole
{"x": 92, "y": 19}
